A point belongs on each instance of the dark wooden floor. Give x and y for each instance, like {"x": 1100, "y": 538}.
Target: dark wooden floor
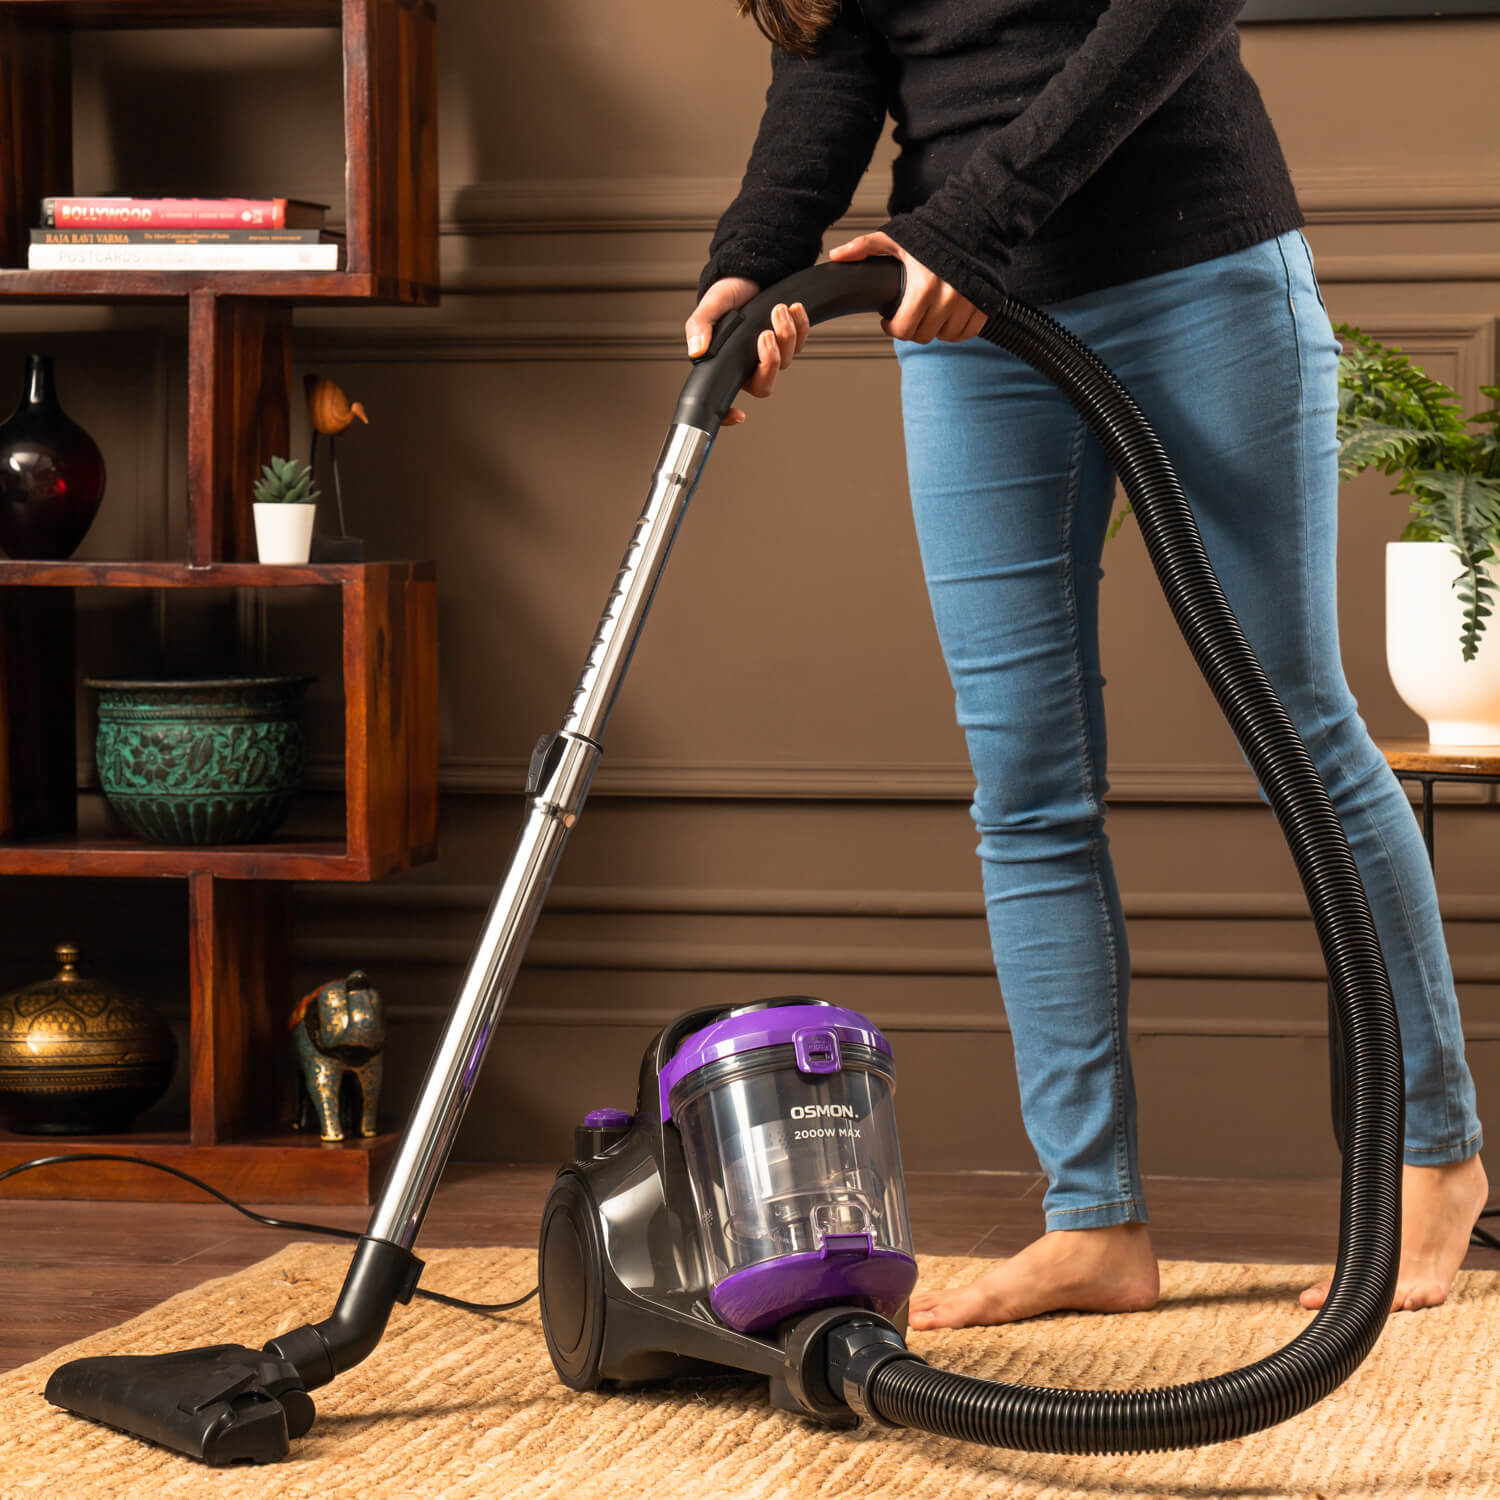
{"x": 69, "y": 1269}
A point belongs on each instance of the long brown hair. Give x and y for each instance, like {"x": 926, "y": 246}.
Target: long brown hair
{"x": 792, "y": 24}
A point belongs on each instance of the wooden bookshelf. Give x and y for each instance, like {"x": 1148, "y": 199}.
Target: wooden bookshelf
{"x": 239, "y": 329}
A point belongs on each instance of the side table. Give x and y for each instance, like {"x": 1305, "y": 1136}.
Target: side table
{"x": 1416, "y": 760}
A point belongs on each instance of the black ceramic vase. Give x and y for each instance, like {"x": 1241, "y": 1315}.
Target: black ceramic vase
{"x": 51, "y": 472}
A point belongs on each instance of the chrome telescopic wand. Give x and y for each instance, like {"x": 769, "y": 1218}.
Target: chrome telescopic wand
{"x": 563, "y": 763}
{"x": 230, "y": 1403}
{"x": 562, "y": 766}
{"x": 384, "y": 1271}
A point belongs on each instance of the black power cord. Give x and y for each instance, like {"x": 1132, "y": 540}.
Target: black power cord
{"x": 1478, "y": 1236}
{"x": 296, "y": 1224}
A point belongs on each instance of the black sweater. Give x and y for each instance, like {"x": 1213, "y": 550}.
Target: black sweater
{"x": 1047, "y": 147}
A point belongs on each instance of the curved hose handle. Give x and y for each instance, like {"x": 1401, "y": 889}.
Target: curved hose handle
{"x": 830, "y": 290}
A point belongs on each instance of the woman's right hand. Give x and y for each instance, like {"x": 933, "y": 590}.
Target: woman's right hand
{"x": 779, "y": 344}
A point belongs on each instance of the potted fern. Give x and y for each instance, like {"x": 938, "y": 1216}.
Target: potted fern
{"x": 1440, "y": 579}
{"x": 285, "y": 503}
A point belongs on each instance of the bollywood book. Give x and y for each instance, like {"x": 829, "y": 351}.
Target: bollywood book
{"x": 182, "y": 213}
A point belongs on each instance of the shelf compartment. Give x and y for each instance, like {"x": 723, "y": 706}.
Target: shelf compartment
{"x": 388, "y": 615}
{"x": 120, "y": 287}
{"x": 312, "y": 859}
{"x": 240, "y": 1070}
{"x": 78, "y": 573}
{"x": 122, "y": 15}
{"x": 272, "y": 1168}
{"x": 390, "y": 145}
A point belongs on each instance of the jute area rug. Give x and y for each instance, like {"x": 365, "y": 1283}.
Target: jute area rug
{"x": 455, "y": 1405}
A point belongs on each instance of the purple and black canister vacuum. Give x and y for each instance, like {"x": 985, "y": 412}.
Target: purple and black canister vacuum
{"x": 749, "y": 1213}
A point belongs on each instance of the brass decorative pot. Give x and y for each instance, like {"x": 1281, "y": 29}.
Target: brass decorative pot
{"x": 77, "y": 1058}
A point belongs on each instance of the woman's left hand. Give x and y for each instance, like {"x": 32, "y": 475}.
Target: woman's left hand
{"x": 931, "y": 309}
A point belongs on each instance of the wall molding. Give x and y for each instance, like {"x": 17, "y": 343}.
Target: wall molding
{"x": 897, "y": 1022}
{"x": 501, "y": 342}
{"x": 585, "y": 208}
{"x": 1373, "y": 192}
{"x": 821, "y": 781}
{"x": 902, "y": 960}
{"x": 725, "y": 901}
{"x": 1469, "y": 337}
{"x": 1335, "y": 268}
{"x": 832, "y": 781}
{"x": 392, "y": 941}
{"x": 910, "y": 961}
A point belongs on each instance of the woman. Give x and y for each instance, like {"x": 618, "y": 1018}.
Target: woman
{"x": 1110, "y": 160}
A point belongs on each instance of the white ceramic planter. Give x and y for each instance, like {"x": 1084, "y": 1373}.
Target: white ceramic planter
{"x": 1459, "y": 699}
{"x": 283, "y": 533}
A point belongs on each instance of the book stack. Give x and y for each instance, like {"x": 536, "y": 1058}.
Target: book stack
{"x": 184, "y": 234}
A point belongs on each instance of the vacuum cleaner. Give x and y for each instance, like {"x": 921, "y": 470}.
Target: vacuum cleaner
{"x": 749, "y": 1213}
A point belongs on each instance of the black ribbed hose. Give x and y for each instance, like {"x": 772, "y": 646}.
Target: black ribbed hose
{"x": 871, "y": 1373}
{"x": 1040, "y": 1419}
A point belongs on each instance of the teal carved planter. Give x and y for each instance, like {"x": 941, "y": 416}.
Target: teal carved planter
{"x": 208, "y": 761}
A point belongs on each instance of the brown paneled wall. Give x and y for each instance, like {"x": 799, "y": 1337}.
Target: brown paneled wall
{"x": 783, "y": 802}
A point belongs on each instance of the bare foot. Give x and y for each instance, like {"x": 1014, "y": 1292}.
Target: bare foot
{"x": 1439, "y": 1206}
{"x": 1081, "y": 1270}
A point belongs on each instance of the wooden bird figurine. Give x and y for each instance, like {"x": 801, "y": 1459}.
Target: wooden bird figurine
{"x": 330, "y": 412}
{"x": 329, "y": 409}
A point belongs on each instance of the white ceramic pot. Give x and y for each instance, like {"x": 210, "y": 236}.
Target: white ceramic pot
{"x": 1423, "y": 620}
{"x": 283, "y": 533}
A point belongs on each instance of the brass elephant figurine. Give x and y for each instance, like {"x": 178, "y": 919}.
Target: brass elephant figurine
{"x": 338, "y": 1032}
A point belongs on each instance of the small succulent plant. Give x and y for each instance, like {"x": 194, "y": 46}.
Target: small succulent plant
{"x": 285, "y": 481}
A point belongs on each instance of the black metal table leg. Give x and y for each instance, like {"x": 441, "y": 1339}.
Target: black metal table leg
{"x": 1427, "y": 820}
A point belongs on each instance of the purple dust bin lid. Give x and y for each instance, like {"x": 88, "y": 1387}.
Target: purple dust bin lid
{"x": 608, "y": 1119}
{"x": 847, "y": 1268}
{"x": 817, "y": 1033}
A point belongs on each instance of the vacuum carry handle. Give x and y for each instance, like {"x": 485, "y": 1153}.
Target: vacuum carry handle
{"x": 830, "y": 290}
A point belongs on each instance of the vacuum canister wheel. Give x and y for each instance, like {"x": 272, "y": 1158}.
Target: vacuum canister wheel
{"x": 570, "y": 1272}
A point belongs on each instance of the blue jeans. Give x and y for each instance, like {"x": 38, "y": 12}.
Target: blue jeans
{"x": 1234, "y": 363}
